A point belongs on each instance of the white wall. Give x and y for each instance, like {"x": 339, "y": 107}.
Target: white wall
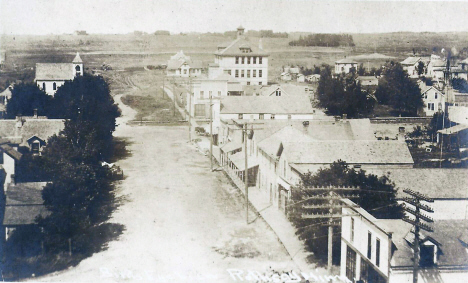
{"x": 346, "y": 67}
{"x": 49, "y": 86}
{"x": 448, "y": 209}
{"x": 9, "y": 167}
{"x": 449, "y": 276}
{"x": 429, "y": 97}
{"x": 229, "y": 63}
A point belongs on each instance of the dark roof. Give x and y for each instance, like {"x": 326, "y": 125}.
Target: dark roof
{"x": 447, "y": 234}
{"x": 24, "y": 203}
{"x": 13, "y": 153}
{"x": 54, "y": 71}
{"x": 42, "y": 128}
{"x": 234, "y": 49}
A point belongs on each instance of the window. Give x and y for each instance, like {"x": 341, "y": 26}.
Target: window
{"x": 54, "y": 86}
{"x": 254, "y": 60}
{"x": 43, "y": 87}
{"x": 260, "y": 60}
{"x": 350, "y": 263}
{"x": 1, "y": 157}
{"x": 185, "y": 71}
{"x": 248, "y": 73}
{"x": 242, "y": 73}
{"x": 259, "y": 73}
{"x": 243, "y": 58}
{"x": 78, "y": 70}
{"x": 377, "y": 252}
{"x": 229, "y": 72}
{"x": 241, "y": 116}
{"x": 248, "y": 60}
{"x": 237, "y": 73}
{"x": 211, "y": 94}
{"x": 289, "y": 117}
{"x": 200, "y": 110}
{"x": 237, "y": 59}
{"x": 248, "y": 83}
{"x": 259, "y": 83}
{"x": 352, "y": 229}
{"x": 427, "y": 255}
{"x": 254, "y": 73}
{"x": 278, "y": 92}
{"x": 35, "y": 148}
{"x": 272, "y": 116}
{"x": 219, "y": 93}
{"x": 202, "y": 94}
{"x": 435, "y": 96}
{"x": 369, "y": 245}
{"x": 261, "y": 116}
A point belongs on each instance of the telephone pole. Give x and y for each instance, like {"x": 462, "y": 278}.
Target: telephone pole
{"x": 333, "y": 195}
{"x": 415, "y": 200}
{"x": 211, "y": 131}
{"x": 190, "y": 110}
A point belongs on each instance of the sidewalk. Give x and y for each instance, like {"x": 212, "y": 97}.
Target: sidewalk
{"x": 278, "y": 222}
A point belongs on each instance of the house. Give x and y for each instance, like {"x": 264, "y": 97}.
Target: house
{"x": 9, "y": 157}
{"x": 300, "y": 78}
{"x": 314, "y": 78}
{"x": 368, "y": 81}
{"x": 266, "y": 107}
{"x": 243, "y": 60}
{"x": 181, "y": 65}
{"x": 6, "y": 94}
{"x": 410, "y": 65}
{"x": 381, "y": 250}
{"x": 434, "y": 99}
{"x": 23, "y": 204}
{"x": 448, "y": 188}
{"x": 286, "y": 77}
{"x": 2, "y": 58}
{"x": 345, "y": 66}
{"x": 290, "y": 90}
{"x": 50, "y": 76}
{"x": 30, "y": 134}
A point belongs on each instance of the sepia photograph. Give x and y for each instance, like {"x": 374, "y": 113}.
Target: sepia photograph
{"x": 222, "y": 141}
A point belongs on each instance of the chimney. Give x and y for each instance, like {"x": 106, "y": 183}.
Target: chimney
{"x": 240, "y": 31}
{"x": 13, "y": 179}
{"x": 35, "y": 113}
{"x": 345, "y": 116}
{"x": 401, "y": 134}
{"x": 260, "y": 44}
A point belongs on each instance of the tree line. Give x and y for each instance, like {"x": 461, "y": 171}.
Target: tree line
{"x": 324, "y": 39}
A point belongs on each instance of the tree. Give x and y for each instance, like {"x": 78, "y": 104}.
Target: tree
{"x": 343, "y": 95}
{"x": 25, "y": 98}
{"x": 438, "y": 122}
{"x": 377, "y": 195}
{"x": 399, "y": 91}
{"x": 460, "y": 84}
{"x": 361, "y": 70}
{"x": 421, "y": 68}
{"x": 86, "y": 102}
{"x": 80, "y": 193}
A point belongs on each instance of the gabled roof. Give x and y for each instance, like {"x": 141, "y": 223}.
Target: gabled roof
{"x": 411, "y": 60}
{"x": 24, "y": 203}
{"x": 42, "y": 128}
{"x": 288, "y": 89}
{"x": 433, "y": 182}
{"x": 13, "y": 153}
{"x": 234, "y": 49}
{"x": 54, "y": 71}
{"x": 353, "y": 152}
{"x": 346, "y": 61}
{"x": 174, "y": 64}
{"x": 271, "y": 144}
{"x": 266, "y": 105}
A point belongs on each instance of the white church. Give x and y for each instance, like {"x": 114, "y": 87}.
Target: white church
{"x": 50, "y": 76}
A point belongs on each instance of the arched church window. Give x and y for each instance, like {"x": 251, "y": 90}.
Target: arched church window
{"x": 54, "y": 86}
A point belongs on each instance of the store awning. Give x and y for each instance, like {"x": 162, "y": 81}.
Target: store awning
{"x": 453, "y": 130}
{"x": 239, "y": 161}
{"x": 231, "y": 146}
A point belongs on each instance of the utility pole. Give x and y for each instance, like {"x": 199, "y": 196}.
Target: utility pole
{"x": 190, "y": 110}
{"x": 334, "y": 196}
{"x": 164, "y": 76}
{"x": 211, "y": 132}
{"x": 415, "y": 201}
{"x": 246, "y": 175}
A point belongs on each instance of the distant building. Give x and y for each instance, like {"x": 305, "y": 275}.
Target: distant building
{"x": 410, "y": 65}
{"x": 345, "y": 65}
{"x": 80, "y": 32}
{"x": 434, "y": 99}
{"x": 50, "y": 76}
{"x": 243, "y": 60}
{"x": 381, "y": 250}
{"x": 300, "y": 78}
{"x": 286, "y": 76}
{"x": 368, "y": 81}
{"x": 314, "y": 78}
{"x": 181, "y": 65}
{"x": 287, "y": 90}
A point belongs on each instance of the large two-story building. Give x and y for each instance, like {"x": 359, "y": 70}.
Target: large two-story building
{"x": 243, "y": 60}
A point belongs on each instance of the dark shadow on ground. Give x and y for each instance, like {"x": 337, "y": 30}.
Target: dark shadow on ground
{"x": 25, "y": 259}
{"x": 120, "y": 149}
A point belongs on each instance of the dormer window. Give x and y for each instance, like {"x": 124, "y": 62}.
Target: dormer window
{"x": 278, "y": 92}
{"x": 428, "y": 254}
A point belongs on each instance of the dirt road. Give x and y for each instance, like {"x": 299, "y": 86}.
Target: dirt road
{"x": 183, "y": 223}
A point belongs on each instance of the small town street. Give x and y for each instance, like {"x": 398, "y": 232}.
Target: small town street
{"x": 182, "y": 222}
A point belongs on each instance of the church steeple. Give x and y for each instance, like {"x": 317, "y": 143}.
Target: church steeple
{"x": 77, "y": 65}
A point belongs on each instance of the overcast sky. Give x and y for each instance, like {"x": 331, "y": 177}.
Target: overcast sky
{"x": 123, "y": 16}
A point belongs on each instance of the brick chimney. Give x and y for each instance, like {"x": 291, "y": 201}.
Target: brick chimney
{"x": 35, "y": 113}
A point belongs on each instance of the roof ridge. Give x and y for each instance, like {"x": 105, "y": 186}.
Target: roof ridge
{"x": 230, "y": 45}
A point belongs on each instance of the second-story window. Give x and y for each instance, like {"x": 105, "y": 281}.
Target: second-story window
{"x": 229, "y": 72}
{"x": 260, "y": 61}
{"x": 254, "y": 60}
{"x": 254, "y": 73}
{"x": 352, "y": 229}
{"x": 237, "y": 73}
{"x": 248, "y": 73}
{"x": 242, "y": 73}
{"x": 43, "y": 87}
{"x": 241, "y": 116}
{"x": 237, "y": 59}
{"x": 219, "y": 93}
{"x": 260, "y": 116}
{"x": 54, "y": 86}
{"x": 377, "y": 252}
{"x": 272, "y": 116}
{"x": 259, "y": 73}
{"x": 202, "y": 94}
{"x": 369, "y": 245}
{"x": 243, "y": 58}
{"x": 248, "y": 60}
{"x": 278, "y": 92}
